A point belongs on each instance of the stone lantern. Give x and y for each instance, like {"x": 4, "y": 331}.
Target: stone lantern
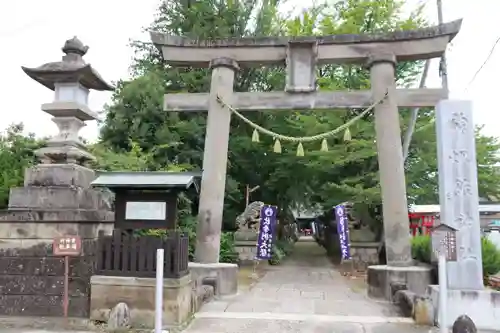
{"x": 61, "y": 183}
{"x": 71, "y": 79}
{"x": 56, "y": 200}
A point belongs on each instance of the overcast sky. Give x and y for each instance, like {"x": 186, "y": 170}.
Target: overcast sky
{"x": 32, "y": 32}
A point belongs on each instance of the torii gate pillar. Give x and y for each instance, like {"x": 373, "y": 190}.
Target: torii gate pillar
{"x": 391, "y": 161}
{"x": 213, "y": 181}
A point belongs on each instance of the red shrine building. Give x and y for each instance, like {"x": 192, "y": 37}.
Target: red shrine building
{"x": 424, "y": 217}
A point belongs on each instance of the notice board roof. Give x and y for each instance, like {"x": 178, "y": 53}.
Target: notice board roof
{"x": 148, "y": 180}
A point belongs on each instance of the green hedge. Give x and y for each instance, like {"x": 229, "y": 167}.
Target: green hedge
{"x": 188, "y": 227}
{"x": 281, "y": 249}
{"x": 421, "y": 248}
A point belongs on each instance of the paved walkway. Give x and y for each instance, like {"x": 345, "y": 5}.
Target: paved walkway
{"x": 304, "y": 294}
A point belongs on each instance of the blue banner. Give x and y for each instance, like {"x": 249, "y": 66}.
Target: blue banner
{"x": 268, "y": 216}
{"x": 343, "y": 231}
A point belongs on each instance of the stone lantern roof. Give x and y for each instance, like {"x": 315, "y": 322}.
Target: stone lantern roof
{"x": 72, "y": 68}
{"x": 72, "y": 80}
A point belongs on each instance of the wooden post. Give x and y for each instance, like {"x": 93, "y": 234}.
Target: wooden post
{"x": 390, "y": 160}
{"x": 213, "y": 181}
{"x": 247, "y": 196}
{"x": 249, "y": 191}
{"x": 66, "y": 286}
{"x": 66, "y": 246}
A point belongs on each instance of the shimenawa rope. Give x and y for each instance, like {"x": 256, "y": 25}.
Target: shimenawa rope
{"x": 300, "y": 150}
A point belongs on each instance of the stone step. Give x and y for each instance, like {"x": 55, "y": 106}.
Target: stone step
{"x": 262, "y": 325}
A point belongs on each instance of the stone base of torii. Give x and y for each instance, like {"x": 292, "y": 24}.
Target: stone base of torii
{"x": 456, "y": 153}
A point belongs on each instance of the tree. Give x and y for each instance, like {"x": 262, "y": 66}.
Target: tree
{"x": 136, "y": 113}
{"x": 349, "y": 171}
{"x": 422, "y": 174}
{"x": 16, "y": 154}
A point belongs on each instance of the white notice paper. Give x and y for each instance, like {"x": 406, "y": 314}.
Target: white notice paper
{"x": 140, "y": 210}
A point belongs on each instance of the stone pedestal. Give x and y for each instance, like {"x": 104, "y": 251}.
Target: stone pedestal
{"x": 384, "y": 281}
{"x": 224, "y": 276}
{"x": 482, "y": 306}
{"x": 55, "y": 201}
{"x": 245, "y": 245}
{"x": 139, "y": 295}
{"x": 364, "y": 254}
{"x": 58, "y": 187}
{"x": 247, "y": 251}
{"x": 58, "y": 175}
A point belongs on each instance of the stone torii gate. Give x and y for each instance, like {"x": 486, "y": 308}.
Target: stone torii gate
{"x": 379, "y": 52}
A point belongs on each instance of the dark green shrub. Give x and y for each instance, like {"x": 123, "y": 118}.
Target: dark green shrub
{"x": 491, "y": 257}
{"x": 187, "y": 225}
{"x": 227, "y": 251}
{"x": 277, "y": 255}
{"x": 286, "y": 246}
{"x": 281, "y": 249}
{"x": 421, "y": 248}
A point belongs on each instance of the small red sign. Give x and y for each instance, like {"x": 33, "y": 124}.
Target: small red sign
{"x": 67, "y": 246}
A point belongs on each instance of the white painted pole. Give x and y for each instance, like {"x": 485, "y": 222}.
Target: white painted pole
{"x": 443, "y": 294}
{"x": 159, "y": 291}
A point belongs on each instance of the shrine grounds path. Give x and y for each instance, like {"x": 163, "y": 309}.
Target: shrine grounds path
{"x": 304, "y": 294}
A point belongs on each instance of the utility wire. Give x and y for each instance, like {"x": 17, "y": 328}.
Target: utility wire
{"x": 444, "y": 77}
{"x": 414, "y": 115}
{"x": 492, "y": 51}
{"x": 35, "y": 23}
{"x": 483, "y": 65}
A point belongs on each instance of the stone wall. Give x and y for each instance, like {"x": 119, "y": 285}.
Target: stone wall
{"x": 139, "y": 295}
{"x": 245, "y": 245}
{"x": 365, "y": 254}
{"x": 247, "y": 251}
{"x": 32, "y": 279}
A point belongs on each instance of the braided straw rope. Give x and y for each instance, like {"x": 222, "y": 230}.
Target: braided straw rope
{"x": 317, "y": 137}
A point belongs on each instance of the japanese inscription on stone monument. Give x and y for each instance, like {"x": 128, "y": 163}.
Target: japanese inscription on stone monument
{"x": 458, "y": 192}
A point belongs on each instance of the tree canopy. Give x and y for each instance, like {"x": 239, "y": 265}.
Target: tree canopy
{"x": 138, "y": 135}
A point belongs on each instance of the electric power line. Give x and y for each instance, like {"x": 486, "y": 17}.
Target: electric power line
{"x": 19, "y": 30}
{"x": 492, "y": 50}
{"x": 483, "y": 65}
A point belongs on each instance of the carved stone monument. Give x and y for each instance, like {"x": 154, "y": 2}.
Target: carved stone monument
{"x": 458, "y": 191}
{"x": 459, "y": 200}
{"x": 380, "y": 52}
